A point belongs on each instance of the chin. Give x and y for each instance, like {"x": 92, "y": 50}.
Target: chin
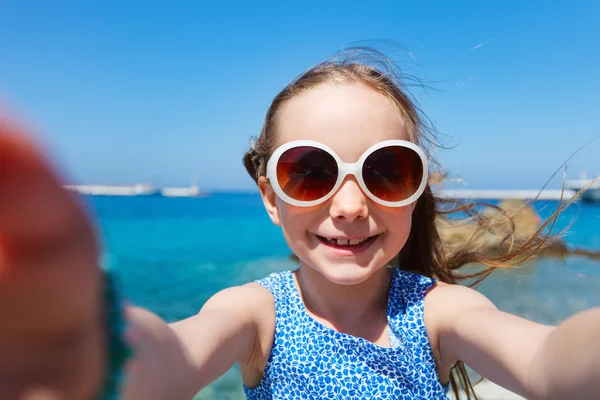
{"x": 345, "y": 273}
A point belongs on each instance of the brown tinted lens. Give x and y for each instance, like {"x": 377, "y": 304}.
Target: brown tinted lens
{"x": 393, "y": 173}
{"x": 306, "y": 173}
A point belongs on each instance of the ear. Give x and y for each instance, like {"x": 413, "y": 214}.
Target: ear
{"x": 269, "y": 199}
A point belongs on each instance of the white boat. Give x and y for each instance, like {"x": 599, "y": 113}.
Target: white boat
{"x": 591, "y": 194}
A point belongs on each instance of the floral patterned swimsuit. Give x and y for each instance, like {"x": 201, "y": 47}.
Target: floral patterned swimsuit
{"x": 311, "y": 361}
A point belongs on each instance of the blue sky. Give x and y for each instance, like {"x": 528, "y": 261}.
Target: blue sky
{"x": 130, "y": 91}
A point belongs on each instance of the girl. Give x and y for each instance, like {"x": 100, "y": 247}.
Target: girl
{"x": 373, "y": 311}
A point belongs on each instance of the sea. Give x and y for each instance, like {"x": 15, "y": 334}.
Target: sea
{"x": 172, "y": 254}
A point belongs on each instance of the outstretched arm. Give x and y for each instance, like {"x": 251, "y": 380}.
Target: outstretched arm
{"x": 178, "y": 360}
{"x": 567, "y": 365}
{"x": 534, "y": 360}
{"x": 52, "y": 338}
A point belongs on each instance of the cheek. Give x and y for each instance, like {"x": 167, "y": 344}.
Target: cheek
{"x": 295, "y": 223}
{"x": 294, "y": 220}
{"x": 399, "y": 224}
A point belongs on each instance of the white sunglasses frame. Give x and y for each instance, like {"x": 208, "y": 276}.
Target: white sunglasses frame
{"x": 345, "y": 169}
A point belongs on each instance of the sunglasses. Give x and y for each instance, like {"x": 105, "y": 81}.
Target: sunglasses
{"x": 305, "y": 173}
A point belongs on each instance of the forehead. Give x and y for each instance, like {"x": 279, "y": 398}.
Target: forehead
{"x": 349, "y": 118}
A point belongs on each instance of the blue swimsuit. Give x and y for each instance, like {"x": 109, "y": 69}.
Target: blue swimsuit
{"x": 311, "y": 361}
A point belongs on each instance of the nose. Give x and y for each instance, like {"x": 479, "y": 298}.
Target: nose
{"x": 349, "y": 202}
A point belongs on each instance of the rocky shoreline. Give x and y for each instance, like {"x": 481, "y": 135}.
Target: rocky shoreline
{"x": 497, "y": 230}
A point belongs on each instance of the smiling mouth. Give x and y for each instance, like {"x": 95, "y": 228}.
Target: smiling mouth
{"x": 346, "y": 243}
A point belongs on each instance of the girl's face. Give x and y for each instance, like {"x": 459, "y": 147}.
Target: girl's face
{"x": 349, "y": 118}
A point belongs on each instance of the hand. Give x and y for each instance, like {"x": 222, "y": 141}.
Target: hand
{"x": 51, "y": 335}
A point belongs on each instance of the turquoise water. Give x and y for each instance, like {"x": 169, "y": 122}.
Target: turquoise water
{"x": 172, "y": 254}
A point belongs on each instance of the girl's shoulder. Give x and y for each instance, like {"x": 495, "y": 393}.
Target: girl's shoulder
{"x": 441, "y": 295}
{"x": 258, "y": 305}
{"x": 447, "y": 308}
{"x": 249, "y": 302}
{"x": 446, "y": 301}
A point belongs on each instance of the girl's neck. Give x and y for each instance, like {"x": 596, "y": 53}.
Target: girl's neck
{"x": 344, "y": 306}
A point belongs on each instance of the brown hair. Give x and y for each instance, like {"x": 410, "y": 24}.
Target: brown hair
{"x": 424, "y": 252}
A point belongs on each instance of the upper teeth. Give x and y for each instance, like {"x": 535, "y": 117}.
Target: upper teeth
{"x": 346, "y": 242}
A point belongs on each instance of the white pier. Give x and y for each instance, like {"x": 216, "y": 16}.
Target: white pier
{"x": 494, "y": 194}
{"x": 114, "y": 190}
{"x": 140, "y": 189}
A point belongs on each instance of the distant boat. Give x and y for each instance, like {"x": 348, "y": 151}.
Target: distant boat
{"x": 191, "y": 191}
{"x": 592, "y": 193}
{"x": 140, "y": 189}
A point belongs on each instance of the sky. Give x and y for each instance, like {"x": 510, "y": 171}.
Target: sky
{"x": 170, "y": 92}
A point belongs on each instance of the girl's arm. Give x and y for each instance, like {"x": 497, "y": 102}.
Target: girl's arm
{"x": 568, "y": 365}
{"x": 534, "y": 360}
{"x": 176, "y": 361}
{"x": 52, "y": 316}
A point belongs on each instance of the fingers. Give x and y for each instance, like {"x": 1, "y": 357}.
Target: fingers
{"x": 37, "y": 215}
{"x": 52, "y": 336}
{"x": 48, "y": 251}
